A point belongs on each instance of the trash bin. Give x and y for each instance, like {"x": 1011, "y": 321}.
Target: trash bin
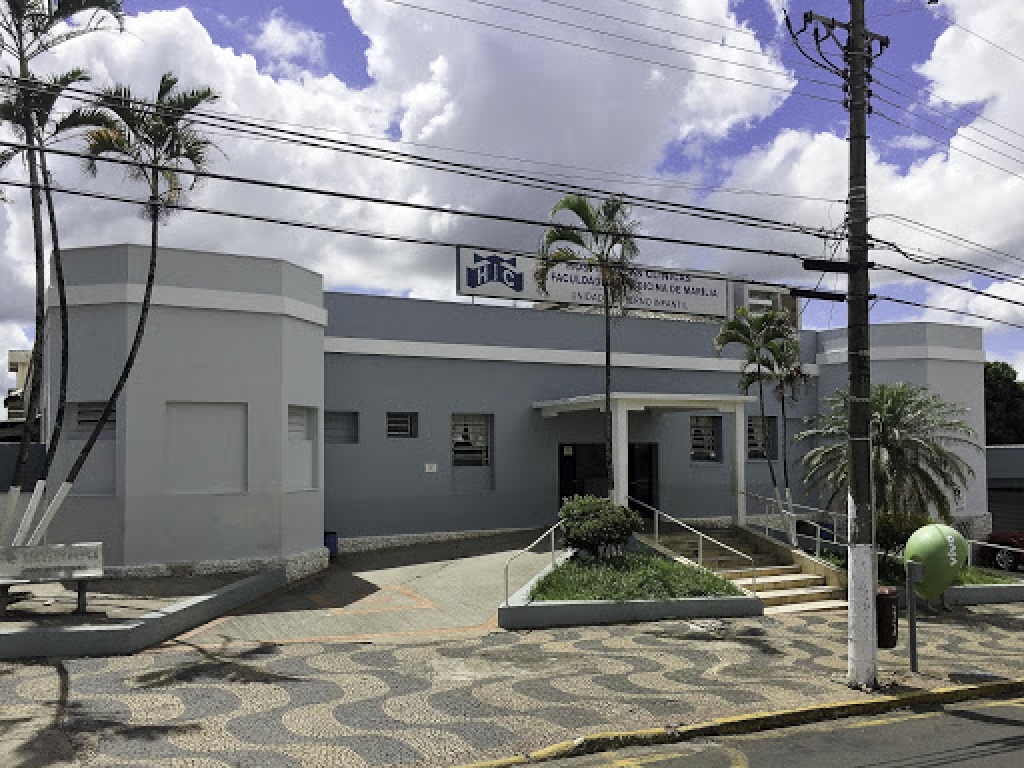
{"x": 887, "y": 606}
{"x": 331, "y": 542}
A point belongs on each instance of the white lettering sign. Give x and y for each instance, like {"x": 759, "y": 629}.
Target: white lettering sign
{"x": 52, "y": 561}
{"x": 504, "y": 276}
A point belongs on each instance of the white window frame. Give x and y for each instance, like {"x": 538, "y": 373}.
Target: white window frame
{"x": 700, "y": 450}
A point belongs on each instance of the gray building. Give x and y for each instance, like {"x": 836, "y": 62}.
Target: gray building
{"x": 263, "y": 411}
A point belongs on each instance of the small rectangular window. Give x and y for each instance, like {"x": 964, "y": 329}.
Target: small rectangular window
{"x": 403, "y": 424}
{"x": 299, "y": 427}
{"x": 341, "y": 427}
{"x": 705, "y": 438}
{"x": 471, "y": 439}
{"x": 87, "y": 415}
{"x": 762, "y": 441}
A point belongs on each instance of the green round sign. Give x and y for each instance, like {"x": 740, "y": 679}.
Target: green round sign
{"x": 942, "y": 552}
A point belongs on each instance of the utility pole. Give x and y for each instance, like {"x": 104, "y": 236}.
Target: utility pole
{"x": 857, "y": 52}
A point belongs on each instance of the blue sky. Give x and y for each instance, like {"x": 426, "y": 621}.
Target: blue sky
{"x": 378, "y": 71}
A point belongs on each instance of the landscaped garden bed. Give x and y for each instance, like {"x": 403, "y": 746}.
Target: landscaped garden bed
{"x": 631, "y": 576}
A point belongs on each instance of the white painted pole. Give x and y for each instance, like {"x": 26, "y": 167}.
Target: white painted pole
{"x": 30, "y": 512}
{"x": 739, "y": 469}
{"x": 862, "y": 636}
{"x": 51, "y": 510}
{"x": 620, "y": 453}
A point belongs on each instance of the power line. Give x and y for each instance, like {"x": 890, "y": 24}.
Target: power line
{"x": 676, "y": 14}
{"x": 965, "y": 313}
{"x": 264, "y": 184}
{"x": 249, "y": 127}
{"x": 932, "y": 110}
{"x": 619, "y": 54}
{"x": 942, "y": 234}
{"x": 947, "y": 284}
{"x": 947, "y": 143}
{"x": 956, "y": 135}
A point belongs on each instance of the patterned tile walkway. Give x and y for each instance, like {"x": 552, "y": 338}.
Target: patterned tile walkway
{"x": 457, "y": 700}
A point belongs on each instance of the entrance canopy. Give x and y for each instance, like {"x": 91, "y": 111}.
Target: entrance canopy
{"x": 624, "y": 402}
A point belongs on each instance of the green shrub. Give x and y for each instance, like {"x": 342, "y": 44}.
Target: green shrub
{"x": 597, "y": 526}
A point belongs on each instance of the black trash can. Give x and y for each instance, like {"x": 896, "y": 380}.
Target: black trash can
{"x": 887, "y": 609}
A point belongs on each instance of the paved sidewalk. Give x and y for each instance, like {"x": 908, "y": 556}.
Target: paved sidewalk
{"x": 462, "y": 699}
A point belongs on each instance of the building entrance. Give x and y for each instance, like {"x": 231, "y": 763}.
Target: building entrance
{"x": 581, "y": 471}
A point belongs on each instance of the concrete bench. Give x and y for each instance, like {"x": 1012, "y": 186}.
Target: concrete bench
{"x": 6, "y": 584}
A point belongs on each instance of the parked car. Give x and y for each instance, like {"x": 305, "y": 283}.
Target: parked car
{"x": 1003, "y": 558}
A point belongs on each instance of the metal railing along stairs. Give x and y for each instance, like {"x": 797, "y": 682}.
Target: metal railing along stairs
{"x": 549, "y": 532}
{"x": 701, "y": 536}
{"x": 790, "y": 519}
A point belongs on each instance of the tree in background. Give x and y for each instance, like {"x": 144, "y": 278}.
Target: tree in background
{"x": 915, "y": 468}
{"x": 162, "y": 144}
{"x": 605, "y": 241}
{"x": 790, "y": 379}
{"x": 1004, "y": 405}
{"x": 756, "y": 334}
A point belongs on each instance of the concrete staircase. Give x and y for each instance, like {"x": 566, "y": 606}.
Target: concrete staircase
{"x": 783, "y": 587}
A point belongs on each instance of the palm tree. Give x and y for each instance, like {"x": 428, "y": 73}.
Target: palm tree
{"x": 29, "y": 28}
{"x": 161, "y": 143}
{"x": 606, "y": 242}
{"x": 49, "y": 128}
{"x": 914, "y": 467}
{"x": 790, "y": 378}
{"x": 756, "y": 333}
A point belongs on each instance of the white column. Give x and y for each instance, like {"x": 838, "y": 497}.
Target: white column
{"x": 739, "y": 464}
{"x": 620, "y": 452}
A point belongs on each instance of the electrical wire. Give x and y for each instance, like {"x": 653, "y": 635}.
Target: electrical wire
{"x": 248, "y": 128}
{"x": 619, "y": 54}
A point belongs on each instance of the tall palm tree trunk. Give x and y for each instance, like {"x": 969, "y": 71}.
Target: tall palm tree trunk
{"x": 609, "y": 460}
{"x": 58, "y": 269}
{"x": 32, "y": 402}
{"x": 140, "y": 329}
{"x": 51, "y": 448}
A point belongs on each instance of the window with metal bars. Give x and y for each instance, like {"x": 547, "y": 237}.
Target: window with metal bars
{"x": 471, "y": 439}
{"x": 705, "y": 438}
{"x": 402, "y": 424}
{"x": 762, "y": 441}
{"x": 86, "y": 417}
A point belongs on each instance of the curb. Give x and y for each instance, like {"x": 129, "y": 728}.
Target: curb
{"x": 758, "y": 721}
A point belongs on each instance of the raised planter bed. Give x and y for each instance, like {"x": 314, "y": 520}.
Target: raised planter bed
{"x": 523, "y": 613}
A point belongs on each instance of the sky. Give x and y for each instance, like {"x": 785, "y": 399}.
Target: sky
{"x": 664, "y": 99}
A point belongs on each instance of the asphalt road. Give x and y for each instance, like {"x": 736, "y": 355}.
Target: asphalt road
{"x": 975, "y": 735}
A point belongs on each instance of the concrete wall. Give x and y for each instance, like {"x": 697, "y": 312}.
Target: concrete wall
{"x": 201, "y": 440}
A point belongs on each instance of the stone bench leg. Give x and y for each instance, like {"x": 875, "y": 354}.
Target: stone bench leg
{"x": 81, "y": 597}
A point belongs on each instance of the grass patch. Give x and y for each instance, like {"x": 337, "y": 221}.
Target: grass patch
{"x": 891, "y": 572}
{"x": 629, "y": 577}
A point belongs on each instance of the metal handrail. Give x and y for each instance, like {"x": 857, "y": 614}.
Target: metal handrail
{"x": 700, "y": 540}
{"x": 549, "y": 532}
{"x": 970, "y": 549}
{"x": 818, "y": 528}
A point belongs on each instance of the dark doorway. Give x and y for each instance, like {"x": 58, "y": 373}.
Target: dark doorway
{"x": 581, "y": 471}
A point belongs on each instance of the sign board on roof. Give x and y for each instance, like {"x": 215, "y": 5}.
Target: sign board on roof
{"x": 505, "y": 276}
{"x": 52, "y": 561}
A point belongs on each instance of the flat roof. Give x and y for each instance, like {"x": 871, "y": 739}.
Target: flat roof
{"x": 643, "y": 400}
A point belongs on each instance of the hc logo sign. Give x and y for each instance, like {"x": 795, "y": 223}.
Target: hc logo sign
{"x": 494, "y": 269}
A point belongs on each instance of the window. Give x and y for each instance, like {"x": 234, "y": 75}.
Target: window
{"x": 705, "y": 438}
{"x": 301, "y": 471}
{"x": 762, "y": 442}
{"x": 341, "y": 427}
{"x": 403, "y": 424}
{"x": 471, "y": 439}
{"x": 87, "y": 416}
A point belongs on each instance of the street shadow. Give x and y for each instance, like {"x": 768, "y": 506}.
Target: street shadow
{"x": 435, "y": 551}
{"x": 53, "y": 744}
{"x": 218, "y": 665}
{"x": 334, "y": 588}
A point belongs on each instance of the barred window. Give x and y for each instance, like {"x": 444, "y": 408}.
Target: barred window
{"x": 705, "y": 438}
{"x": 341, "y": 427}
{"x": 87, "y": 415}
{"x": 402, "y": 424}
{"x": 471, "y": 439}
{"x": 762, "y": 438}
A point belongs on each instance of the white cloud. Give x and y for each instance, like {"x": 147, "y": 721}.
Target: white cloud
{"x": 290, "y": 46}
